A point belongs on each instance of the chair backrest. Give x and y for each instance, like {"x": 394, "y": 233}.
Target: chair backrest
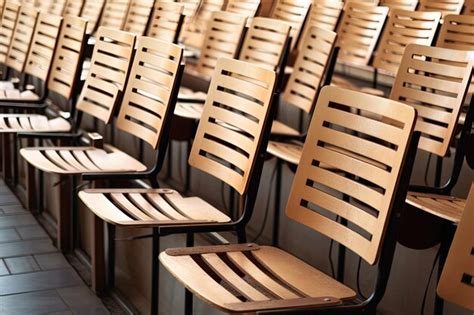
{"x": 338, "y": 159}
{"x": 114, "y": 14}
{"x": 404, "y": 27}
{"x": 73, "y": 7}
{"x": 455, "y": 284}
{"x": 7, "y": 26}
{"x": 138, "y": 14}
{"x": 248, "y": 8}
{"x": 21, "y": 39}
{"x": 444, "y": 6}
{"x": 223, "y": 38}
{"x": 294, "y": 12}
{"x": 359, "y": 32}
{"x": 408, "y": 5}
{"x": 166, "y": 21}
{"x": 106, "y": 79}
{"x": 43, "y": 44}
{"x": 457, "y": 32}
{"x": 325, "y": 14}
{"x": 434, "y": 81}
{"x": 195, "y": 29}
{"x": 55, "y": 7}
{"x": 468, "y": 7}
{"x": 91, "y": 11}
{"x": 235, "y": 121}
{"x": 265, "y": 42}
{"x": 309, "y": 69}
{"x": 67, "y": 60}
{"x": 150, "y": 95}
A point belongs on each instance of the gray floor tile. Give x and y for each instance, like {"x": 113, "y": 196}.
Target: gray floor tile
{"x": 8, "y": 199}
{"x": 22, "y": 248}
{"x": 21, "y": 264}
{"x": 52, "y": 261}
{"x": 44, "y": 302}
{"x": 31, "y": 232}
{"x": 7, "y": 221}
{"x": 38, "y": 281}
{"x": 8, "y": 235}
{"x": 3, "y": 268}
{"x": 15, "y": 209}
{"x": 79, "y": 296}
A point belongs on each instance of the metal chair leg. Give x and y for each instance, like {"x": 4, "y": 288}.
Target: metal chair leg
{"x": 276, "y": 215}
{"x": 188, "y": 296}
{"x": 111, "y": 255}
{"x": 155, "y": 281}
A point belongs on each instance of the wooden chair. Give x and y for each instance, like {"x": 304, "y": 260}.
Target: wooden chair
{"x": 38, "y": 60}
{"x": 195, "y": 29}
{"x": 138, "y": 15}
{"x": 240, "y": 95}
{"x": 72, "y": 7}
{"x": 444, "y": 6}
{"x": 404, "y": 27}
{"x": 166, "y": 21}
{"x": 248, "y": 8}
{"x": 455, "y": 284}
{"x": 20, "y": 44}
{"x": 7, "y": 27}
{"x": 99, "y": 96}
{"x": 407, "y": 5}
{"x": 114, "y": 14}
{"x": 91, "y": 11}
{"x": 294, "y": 12}
{"x": 358, "y": 33}
{"x": 251, "y": 278}
{"x": 53, "y": 112}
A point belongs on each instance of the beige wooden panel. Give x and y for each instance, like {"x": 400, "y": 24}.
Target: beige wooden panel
{"x": 166, "y": 21}
{"x": 7, "y": 26}
{"x": 138, "y": 15}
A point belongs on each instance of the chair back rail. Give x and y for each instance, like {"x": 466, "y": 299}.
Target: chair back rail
{"x": 148, "y": 100}
{"x": 166, "y": 21}
{"x": 265, "y": 42}
{"x": 43, "y": 44}
{"x": 338, "y": 160}
{"x": 114, "y": 14}
{"x": 359, "y": 32}
{"x": 408, "y": 5}
{"x": 108, "y": 73}
{"x": 7, "y": 27}
{"x": 222, "y": 40}
{"x": 68, "y": 56}
{"x": 91, "y": 11}
{"x": 444, "y": 6}
{"x": 309, "y": 69}
{"x": 21, "y": 39}
{"x": 138, "y": 15}
{"x": 235, "y": 117}
{"x": 294, "y": 12}
{"x": 435, "y": 82}
{"x": 404, "y": 27}
{"x": 455, "y": 284}
{"x": 73, "y": 7}
{"x": 457, "y": 32}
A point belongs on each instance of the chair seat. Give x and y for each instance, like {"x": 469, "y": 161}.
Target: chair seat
{"x": 282, "y": 129}
{"x": 6, "y": 85}
{"x": 14, "y": 94}
{"x": 149, "y": 207}
{"x": 446, "y": 207}
{"x": 288, "y": 152}
{"x": 10, "y": 123}
{"x": 249, "y": 278}
{"x": 79, "y": 160}
{"x": 189, "y": 110}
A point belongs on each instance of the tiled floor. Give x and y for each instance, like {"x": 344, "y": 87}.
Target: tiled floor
{"x": 34, "y": 277}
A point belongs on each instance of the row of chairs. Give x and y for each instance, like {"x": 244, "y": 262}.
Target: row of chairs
{"x": 85, "y": 97}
